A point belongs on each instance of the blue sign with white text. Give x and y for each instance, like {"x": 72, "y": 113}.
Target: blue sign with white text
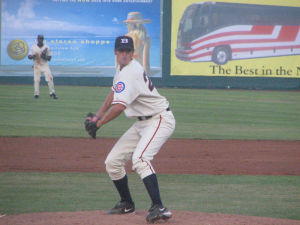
{"x": 80, "y": 32}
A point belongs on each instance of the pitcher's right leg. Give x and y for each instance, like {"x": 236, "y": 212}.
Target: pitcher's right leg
{"x": 115, "y": 167}
{"x": 37, "y": 79}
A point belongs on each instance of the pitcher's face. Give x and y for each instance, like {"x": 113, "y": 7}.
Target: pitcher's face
{"x": 123, "y": 57}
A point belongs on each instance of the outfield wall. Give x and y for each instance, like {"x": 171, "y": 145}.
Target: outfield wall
{"x": 168, "y": 70}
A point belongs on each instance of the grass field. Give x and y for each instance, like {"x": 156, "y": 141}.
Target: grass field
{"x": 268, "y": 196}
{"x": 202, "y": 114}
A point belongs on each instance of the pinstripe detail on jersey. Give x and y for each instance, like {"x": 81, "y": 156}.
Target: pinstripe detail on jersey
{"x": 160, "y": 119}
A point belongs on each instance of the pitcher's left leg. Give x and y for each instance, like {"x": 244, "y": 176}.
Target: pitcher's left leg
{"x": 153, "y": 137}
{"x": 49, "y": 79}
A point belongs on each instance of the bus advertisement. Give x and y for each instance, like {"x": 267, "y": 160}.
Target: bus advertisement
{"x": 236, "y": 38}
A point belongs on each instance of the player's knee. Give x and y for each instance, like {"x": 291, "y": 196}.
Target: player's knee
{"x": 142, "y": 167}
{"x": 114, "y": 170}
{"x": 138, "y": 164}
{"x": 109, "y": 165}
{"x": 37, "y": 80}
{"x": 49, "y": 78}
{"x": 136, "y": 159}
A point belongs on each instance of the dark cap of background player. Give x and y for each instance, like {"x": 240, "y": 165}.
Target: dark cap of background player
{"x": 124, "y": 43}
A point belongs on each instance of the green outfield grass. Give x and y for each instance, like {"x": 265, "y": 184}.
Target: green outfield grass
{"x": 203, "y": 114}
{"x": 267, "y": 196}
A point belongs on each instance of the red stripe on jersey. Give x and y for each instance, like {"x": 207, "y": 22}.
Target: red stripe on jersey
{"x": 149, "y": 144}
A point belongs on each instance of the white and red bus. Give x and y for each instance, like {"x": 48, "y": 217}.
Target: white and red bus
{"x": 219, "y": 31}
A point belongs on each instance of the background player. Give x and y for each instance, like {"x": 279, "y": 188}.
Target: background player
{"x": 134, "y": 93}
{"x": 41, "y": 54}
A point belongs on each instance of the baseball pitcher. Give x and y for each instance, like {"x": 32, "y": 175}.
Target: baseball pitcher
{"x": 134, "y": 94}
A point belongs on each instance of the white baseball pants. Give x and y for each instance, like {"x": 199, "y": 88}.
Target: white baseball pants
{"x": 140, "y": 143}
{"x": 38, "y": 70}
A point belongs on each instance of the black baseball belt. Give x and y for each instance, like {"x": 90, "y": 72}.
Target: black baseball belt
{"x": 141, "y": 118}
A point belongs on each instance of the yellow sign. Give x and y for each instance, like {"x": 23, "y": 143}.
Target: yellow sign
{"x": 241, "y": 38}
{"x": 17, "y": 49}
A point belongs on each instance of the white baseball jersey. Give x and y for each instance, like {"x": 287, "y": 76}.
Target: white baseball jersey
{"x": 37, "y": 51}
{"x": 143, "y": 140}
{"x": 135, "y": 90}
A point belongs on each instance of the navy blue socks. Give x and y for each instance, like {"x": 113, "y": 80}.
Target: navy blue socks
{"x": 151, "y": 185}
{"x": 123, "y": 189}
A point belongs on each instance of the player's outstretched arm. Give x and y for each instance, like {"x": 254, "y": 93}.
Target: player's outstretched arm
{"x": 114, "y": 111}
{"x": 105, "y": 106}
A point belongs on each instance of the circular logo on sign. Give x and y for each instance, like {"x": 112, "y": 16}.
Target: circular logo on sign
{"x": 120, "y": 86}
{"x": 17, "y": 49}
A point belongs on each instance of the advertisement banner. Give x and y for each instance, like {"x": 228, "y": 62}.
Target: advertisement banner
{"x": 236, "y": 38}
{"x": 81, "y": 33}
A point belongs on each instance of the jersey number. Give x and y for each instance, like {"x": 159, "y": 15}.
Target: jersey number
{"x": 150, "y": 84}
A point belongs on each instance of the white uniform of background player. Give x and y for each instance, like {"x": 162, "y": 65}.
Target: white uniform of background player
{"x": 134, "y": 93}
{"x": 41, "y": 66}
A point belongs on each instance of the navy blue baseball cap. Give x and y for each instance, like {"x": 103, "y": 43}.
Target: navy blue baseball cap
{"x": 124, "y": 43}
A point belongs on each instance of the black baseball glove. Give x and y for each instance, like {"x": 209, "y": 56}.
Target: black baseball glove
{"x": 90, "y": 125}
{"x": 44, "y": 54}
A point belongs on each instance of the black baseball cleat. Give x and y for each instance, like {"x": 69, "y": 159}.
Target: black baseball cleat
{"x": 122, "y": 208}
{"x": 158, "y": 212}
{"x": 152, "y": 207}
{"x": 53, "y": 95}
{"x": 36, "y": 96}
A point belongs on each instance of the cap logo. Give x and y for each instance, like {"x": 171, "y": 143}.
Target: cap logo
{"x": 123, "y": 43}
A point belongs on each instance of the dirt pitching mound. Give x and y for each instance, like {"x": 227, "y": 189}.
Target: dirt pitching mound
{"x": 138, "y": 218}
